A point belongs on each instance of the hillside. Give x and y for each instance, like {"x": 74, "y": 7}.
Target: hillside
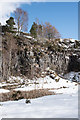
{"x": 26, "y": 56}
{"x": 27, "y": 62}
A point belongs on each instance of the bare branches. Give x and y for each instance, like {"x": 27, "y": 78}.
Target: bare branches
{"x": 50, "y": 31}
{"x": 21, "y": 18}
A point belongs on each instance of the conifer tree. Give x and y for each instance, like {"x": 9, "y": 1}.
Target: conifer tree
{"x": 10, "y": 24}
{"x": 36, "y": 30}
{"x": 33, "y": 30}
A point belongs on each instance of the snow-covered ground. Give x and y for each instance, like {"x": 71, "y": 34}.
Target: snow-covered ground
{"x": 62, "y": 86}
{"x": 62, "y": 105}
{"x": 54, "y": 106}
{"x": 59, "y": 84}
{"x": 4, "y": 91}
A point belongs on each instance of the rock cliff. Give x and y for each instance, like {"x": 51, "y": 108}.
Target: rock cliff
{"x": 24, "y": 55}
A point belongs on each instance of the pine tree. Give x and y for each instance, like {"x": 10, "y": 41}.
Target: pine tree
{"x": 33, "y": 30}
{"x": 10, "y": 24}
{"x": 36, "y": 30}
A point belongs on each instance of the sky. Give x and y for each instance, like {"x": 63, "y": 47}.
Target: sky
{"x": 62, "y": 15}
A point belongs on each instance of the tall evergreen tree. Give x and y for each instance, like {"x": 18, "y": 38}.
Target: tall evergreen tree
{"x": 36, "y": 30}
{"x": 33, "y": 30}
{"x": 10, "y": 24}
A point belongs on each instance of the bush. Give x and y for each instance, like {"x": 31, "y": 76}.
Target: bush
{"x": 17, "y": 95}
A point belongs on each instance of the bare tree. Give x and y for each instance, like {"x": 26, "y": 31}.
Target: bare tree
{"x": 21, "y": 18}
{"x": 50, "y": 31}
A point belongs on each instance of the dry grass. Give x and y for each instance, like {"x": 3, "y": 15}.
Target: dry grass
{"x": 16, "y": 95}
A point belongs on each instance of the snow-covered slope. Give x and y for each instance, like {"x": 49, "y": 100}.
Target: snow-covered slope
{"x": 62, "y": 105}
{"x": 62, "y": 86}
{"x": 52, "y": 82}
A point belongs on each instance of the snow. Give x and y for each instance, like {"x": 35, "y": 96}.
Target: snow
{"x": 63, "y": 86}
{"x": 59, "y": 44}
{"x": 4, "y": 91}
{"x": 61, "y": 40}
{"x": 67, "y": 57}
{"x": 59, "y": 84}
{"x": 27, "y": 36}
{"x": 67, "y": 90}
{"x": 52, "y": 75}
{"x": 65, "y": 46}
{"x": 72, "y": 40}
{"x": 54, "y": 106}
{"x": 62, "y": 105}
{"x": 17, "y": 79}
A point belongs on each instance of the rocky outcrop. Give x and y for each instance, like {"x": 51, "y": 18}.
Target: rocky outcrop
{"x": 74, "y": 63}
{"x": 30, "y": 57}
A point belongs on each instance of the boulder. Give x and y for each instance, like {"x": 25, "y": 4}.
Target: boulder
{"x": 28, "y": 101}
